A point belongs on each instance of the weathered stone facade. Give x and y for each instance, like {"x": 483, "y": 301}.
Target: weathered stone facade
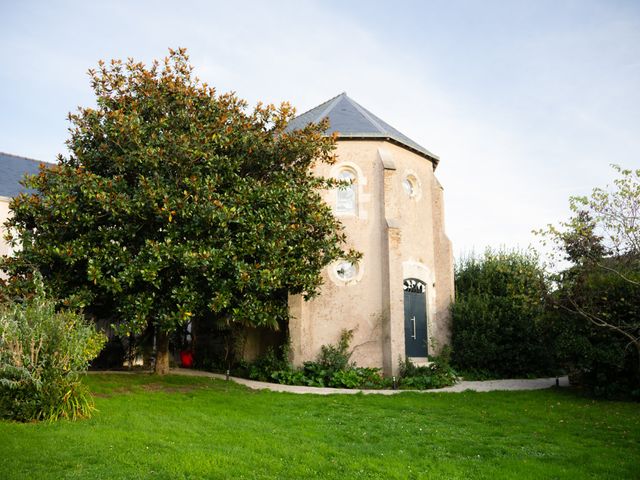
{"x": 398, "y": 225}
{"x": 396, "y": 300}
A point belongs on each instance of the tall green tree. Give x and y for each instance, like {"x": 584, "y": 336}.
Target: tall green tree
{"x": 601, "y": 288}
{"x": 177, "y": 202}
{"x": 497, "y": 315}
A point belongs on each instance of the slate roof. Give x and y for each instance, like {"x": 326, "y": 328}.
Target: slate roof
{"x": 12, "y": 169}
{"x": 353, "y": 121}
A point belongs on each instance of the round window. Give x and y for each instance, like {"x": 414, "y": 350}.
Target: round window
{"x": 346, "y": 271}
{"x": 410, "y": 185}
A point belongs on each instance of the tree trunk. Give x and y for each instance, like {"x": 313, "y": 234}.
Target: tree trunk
{"x": 162, "y": 353}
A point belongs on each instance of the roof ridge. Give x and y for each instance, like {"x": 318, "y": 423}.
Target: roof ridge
{"x": 366, "y": 114}
{"x": 313, "y": 108}
{"x": 21, "y": 157}
{"x": 333, "y": 103}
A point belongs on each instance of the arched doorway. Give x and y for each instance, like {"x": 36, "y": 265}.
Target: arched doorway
{"x": 415, "y": 318}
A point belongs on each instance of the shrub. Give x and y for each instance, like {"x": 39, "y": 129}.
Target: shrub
{"x": 289, "y": 377}
{"x": 273, "y": 361}
{"x": 597, "y": 357}
{"x": 598, "y": 296}
{"x": 335, "y": 358}
{"x": 497, "y": 316}
{"x": 437, "y": 374}
{"x": 332, "y": 368}
{"x": 41, "y": 354}
{"x": 333, "y": 361}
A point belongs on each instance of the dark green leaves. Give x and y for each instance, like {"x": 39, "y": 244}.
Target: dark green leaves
{"x": 176, "y": 202}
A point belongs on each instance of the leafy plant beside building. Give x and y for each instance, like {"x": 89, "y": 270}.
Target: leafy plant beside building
{"x": 333, "y": 368}
{"x": 42, "y": 354}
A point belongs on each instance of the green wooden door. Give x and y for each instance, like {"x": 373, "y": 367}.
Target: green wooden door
{"x": 415, "y": 318}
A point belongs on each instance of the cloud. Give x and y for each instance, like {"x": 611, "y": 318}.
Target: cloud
{"x": 525, "y": 108}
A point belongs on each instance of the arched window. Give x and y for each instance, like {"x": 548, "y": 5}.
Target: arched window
{"x": 347, "y": 195}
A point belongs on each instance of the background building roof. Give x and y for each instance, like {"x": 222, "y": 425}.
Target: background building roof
{"x": 353, "y": 121}
{"x": 12, "y": 170}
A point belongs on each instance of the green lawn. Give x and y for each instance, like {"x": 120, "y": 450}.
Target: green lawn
{"x": 185, "y": 427}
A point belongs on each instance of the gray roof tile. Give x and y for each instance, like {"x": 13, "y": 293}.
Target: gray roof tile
{"x": 351, "y": 120}
{"x": 12, "y": 170}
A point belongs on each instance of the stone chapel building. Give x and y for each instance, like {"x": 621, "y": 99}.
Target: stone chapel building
{"x": 397, "y": 298}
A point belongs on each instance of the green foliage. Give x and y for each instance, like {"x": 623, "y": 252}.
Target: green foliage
{"x": 497, "y": 315}
{"x": 19, "y": 394}
{"x": 335, "y": 358}
{"x": 604, "y": 224}
{"x": 273, "y": 361}
{"x": 332, "y": 368}
{"x": 437, "y": 374}
{"x": 196, "y": 427}
{"x": 42, "y": 351}
{"x": 596, "y": 355}
{"x": 289, "y": 376}
{"x": 176, "y": 202}
{"x": 597, "y": 301}
{"x": 358, "y": 377}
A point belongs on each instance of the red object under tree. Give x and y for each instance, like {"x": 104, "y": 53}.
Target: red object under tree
{"x": 186, "y": 358}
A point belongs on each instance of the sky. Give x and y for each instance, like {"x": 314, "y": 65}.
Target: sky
{"x": 525, "y": 102}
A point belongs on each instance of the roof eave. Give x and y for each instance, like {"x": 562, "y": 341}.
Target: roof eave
{"x": 425, "y": 154}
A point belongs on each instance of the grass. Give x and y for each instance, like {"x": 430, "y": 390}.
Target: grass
{"x": 186, "y": 427}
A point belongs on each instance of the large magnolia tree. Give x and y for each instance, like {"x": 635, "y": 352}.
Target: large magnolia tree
{"x": 176, "y": 202}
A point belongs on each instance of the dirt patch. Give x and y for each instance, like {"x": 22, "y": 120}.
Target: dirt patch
{"x": 159, "y": 387}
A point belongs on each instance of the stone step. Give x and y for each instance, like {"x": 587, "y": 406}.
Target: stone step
{"x": 419, "y": 361}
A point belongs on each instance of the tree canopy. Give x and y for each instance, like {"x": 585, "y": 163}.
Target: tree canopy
{"x": 599, "y": 293}
{"x": 497, "y": 315}
{"x": 177, "y": 202}
{"x": 605, "y": 224}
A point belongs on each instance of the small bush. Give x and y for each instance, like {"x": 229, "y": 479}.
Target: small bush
{"x": 289, "y": 377}
{"x": 335, "y": 358}
{"x": 598, "y": 358}
{"x": 273, "y": 361}
{"x": 41, "y": 354}
{"x": 332, "y": 368}
{"x": 437, "y": 374}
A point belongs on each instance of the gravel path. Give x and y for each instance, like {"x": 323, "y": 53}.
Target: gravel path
{"x": 477, "y": 386}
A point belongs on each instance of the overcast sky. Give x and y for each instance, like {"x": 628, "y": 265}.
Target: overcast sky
{"x": 526, "y": 103}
